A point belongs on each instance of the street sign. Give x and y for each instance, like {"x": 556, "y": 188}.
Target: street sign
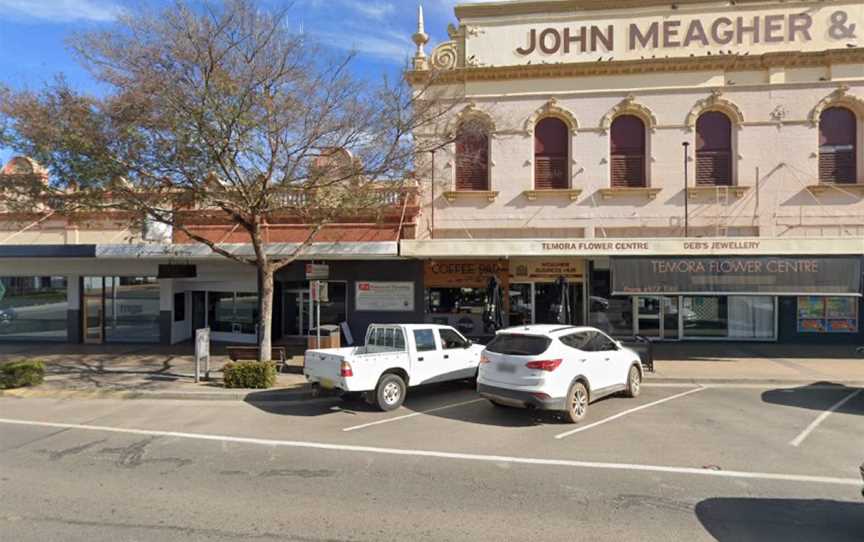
{"x": 317, "y": 271}
{"x": 319, "y": 291}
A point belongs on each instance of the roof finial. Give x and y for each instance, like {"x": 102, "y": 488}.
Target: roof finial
{"x": 421, "y": 38}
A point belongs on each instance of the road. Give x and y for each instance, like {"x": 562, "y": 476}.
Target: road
{"x": 678, "y": 463}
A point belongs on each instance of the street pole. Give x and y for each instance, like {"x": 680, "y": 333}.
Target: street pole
{"x": 686, "y": 146}
{"x": 433, "y": 194}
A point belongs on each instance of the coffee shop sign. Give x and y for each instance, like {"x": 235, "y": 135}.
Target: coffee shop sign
{"x": 677, "y": 33}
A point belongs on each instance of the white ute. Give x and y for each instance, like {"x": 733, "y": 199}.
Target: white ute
{"x": 556, "y": 368}
{"x": 394, "y": 358}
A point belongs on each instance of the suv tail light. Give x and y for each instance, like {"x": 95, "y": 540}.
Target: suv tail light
{"x": 545, "y": 365}
{"x": 484, "y": 359}
{"x": 345, "y": 370}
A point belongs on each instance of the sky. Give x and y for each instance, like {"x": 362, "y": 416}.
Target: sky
{"x": 33, "y": 34}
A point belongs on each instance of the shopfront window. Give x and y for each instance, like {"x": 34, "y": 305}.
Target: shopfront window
{"x": 552, "y": 306}
{"x": 734, "y": 317}
{"x": 33, "y": 308}
{"x": 614, "y": 315}
{"x": 828, "y": 314}
{"x": 132, "y": 309}
{"x": 461, "y": 308}
{"x": 233, "y": 312}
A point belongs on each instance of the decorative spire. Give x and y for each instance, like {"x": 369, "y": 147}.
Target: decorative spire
{"x": 420, "y": 38}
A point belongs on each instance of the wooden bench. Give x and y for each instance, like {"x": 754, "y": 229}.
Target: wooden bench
{"x": 250, "y": 353}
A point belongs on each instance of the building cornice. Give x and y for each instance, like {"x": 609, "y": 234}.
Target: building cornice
{"x": 499, "y": 9}
{"x": 649, "y": 65}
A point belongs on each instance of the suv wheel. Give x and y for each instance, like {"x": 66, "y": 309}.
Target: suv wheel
{"x": 634, "y": 382}
{"x": 390, "y": 393}
{"x": 577, "y": 403}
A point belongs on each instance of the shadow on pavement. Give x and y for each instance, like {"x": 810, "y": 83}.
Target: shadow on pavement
{"x": 451, "y": 400}
{"x": 735, "y": 351}
{"x": 817, "y": 396}
{"x": 752, "y": 519}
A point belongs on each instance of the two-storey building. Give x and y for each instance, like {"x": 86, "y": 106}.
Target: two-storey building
{"x": 692, "y": 170}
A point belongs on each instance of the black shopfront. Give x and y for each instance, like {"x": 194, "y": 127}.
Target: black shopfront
{"x": 762, "y": 298}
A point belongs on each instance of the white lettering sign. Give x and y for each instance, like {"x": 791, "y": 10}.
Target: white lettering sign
{"x": 385, "y": 296}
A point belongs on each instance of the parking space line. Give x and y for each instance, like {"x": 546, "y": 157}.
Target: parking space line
{"x": 627, "y": 413}
{"x": 822, "y": 417}
{"x": 369, "y": 450}
{"x": 413, "y": 414}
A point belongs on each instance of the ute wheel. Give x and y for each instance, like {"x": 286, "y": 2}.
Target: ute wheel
{"x": 390, "y": 393}
{"x": 577, "y": 403}
{"x": 634, "y": 382}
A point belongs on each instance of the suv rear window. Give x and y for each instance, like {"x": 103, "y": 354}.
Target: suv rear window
{"x": 512, "y": 344}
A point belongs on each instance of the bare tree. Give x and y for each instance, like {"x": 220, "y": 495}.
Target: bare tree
{"x": 221, "y": 110}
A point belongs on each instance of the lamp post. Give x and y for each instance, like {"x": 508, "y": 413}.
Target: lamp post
{"x": 686, "y": 146}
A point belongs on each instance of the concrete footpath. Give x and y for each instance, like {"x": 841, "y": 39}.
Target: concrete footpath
{"x": 159, "y": 372}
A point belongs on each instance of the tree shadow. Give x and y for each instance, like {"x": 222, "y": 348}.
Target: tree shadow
{"x": 754, "y": 519}
{"x": 818, "y": 396}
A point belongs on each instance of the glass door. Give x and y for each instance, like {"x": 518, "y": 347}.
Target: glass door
{"x": 297, "y": 311}
{"x": 657, "y": 317}
{"x": 94, "y": 310}
{"x": 521, "y": 311}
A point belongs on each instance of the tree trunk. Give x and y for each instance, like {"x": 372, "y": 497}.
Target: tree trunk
{"x": 265, "y": 331}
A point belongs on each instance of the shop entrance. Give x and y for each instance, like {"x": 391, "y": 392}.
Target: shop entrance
{"x": 657, "y": 317}
{"x": 541, "y": 303}
{"x": 297, "y": 311}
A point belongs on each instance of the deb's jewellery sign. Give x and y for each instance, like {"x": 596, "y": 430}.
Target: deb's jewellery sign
{"x": 737, "y": 275}
{"x": 666, "y": 33}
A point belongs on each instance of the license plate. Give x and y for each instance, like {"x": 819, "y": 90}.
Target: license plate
{"x": 327, "y": 384}
{"x": 506, "y": 367}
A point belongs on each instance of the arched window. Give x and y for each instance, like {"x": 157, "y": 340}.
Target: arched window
{"x": 551, "y": 149}
{"x": 838, "y": 146}
{"x": 628, "y": 152}
{"x": 472, "y": 156}
{"x": 714, "y": 149}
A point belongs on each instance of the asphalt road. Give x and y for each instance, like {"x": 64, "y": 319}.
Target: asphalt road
{"x": 679, "y": 463}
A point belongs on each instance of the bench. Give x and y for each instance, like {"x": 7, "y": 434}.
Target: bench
{"x": 250, "y": 353}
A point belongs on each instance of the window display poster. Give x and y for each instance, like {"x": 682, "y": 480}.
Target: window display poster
{"x": 827, "y": 314}
{"x": 385, "y": 296}
{"x": 841, "y": 307}
{"x": 811, "y": 307}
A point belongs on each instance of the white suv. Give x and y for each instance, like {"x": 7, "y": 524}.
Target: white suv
{"x": 556, "y": 368}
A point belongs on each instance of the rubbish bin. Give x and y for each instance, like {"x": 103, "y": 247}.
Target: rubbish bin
{"x": 645, "y": 349}
{"x": 330, "y": 338}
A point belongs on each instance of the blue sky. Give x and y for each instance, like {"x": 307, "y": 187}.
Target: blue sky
{"x": 33, "y": 33}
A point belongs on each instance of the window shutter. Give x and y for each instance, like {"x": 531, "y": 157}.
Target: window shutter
{"x": 551, "y": 149}
{"x": 713, "y": 150}
{"x": 472, "y": 160}
{"x": 628, "y": 152}
{"x": 838, "y": 146}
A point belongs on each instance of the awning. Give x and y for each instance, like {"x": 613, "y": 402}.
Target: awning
{"x": 753, "y": 275}
{"x": 196, "y": 251}
{"x": 679, "y": 246}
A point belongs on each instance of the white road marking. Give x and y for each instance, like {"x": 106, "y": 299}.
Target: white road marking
{"x": 802, "y": 478}
{"x": 626, "y": 413}
{"x": 743, "y": 386}
{"x": 406, "y": 416}
{"x": 822, "y": 417}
